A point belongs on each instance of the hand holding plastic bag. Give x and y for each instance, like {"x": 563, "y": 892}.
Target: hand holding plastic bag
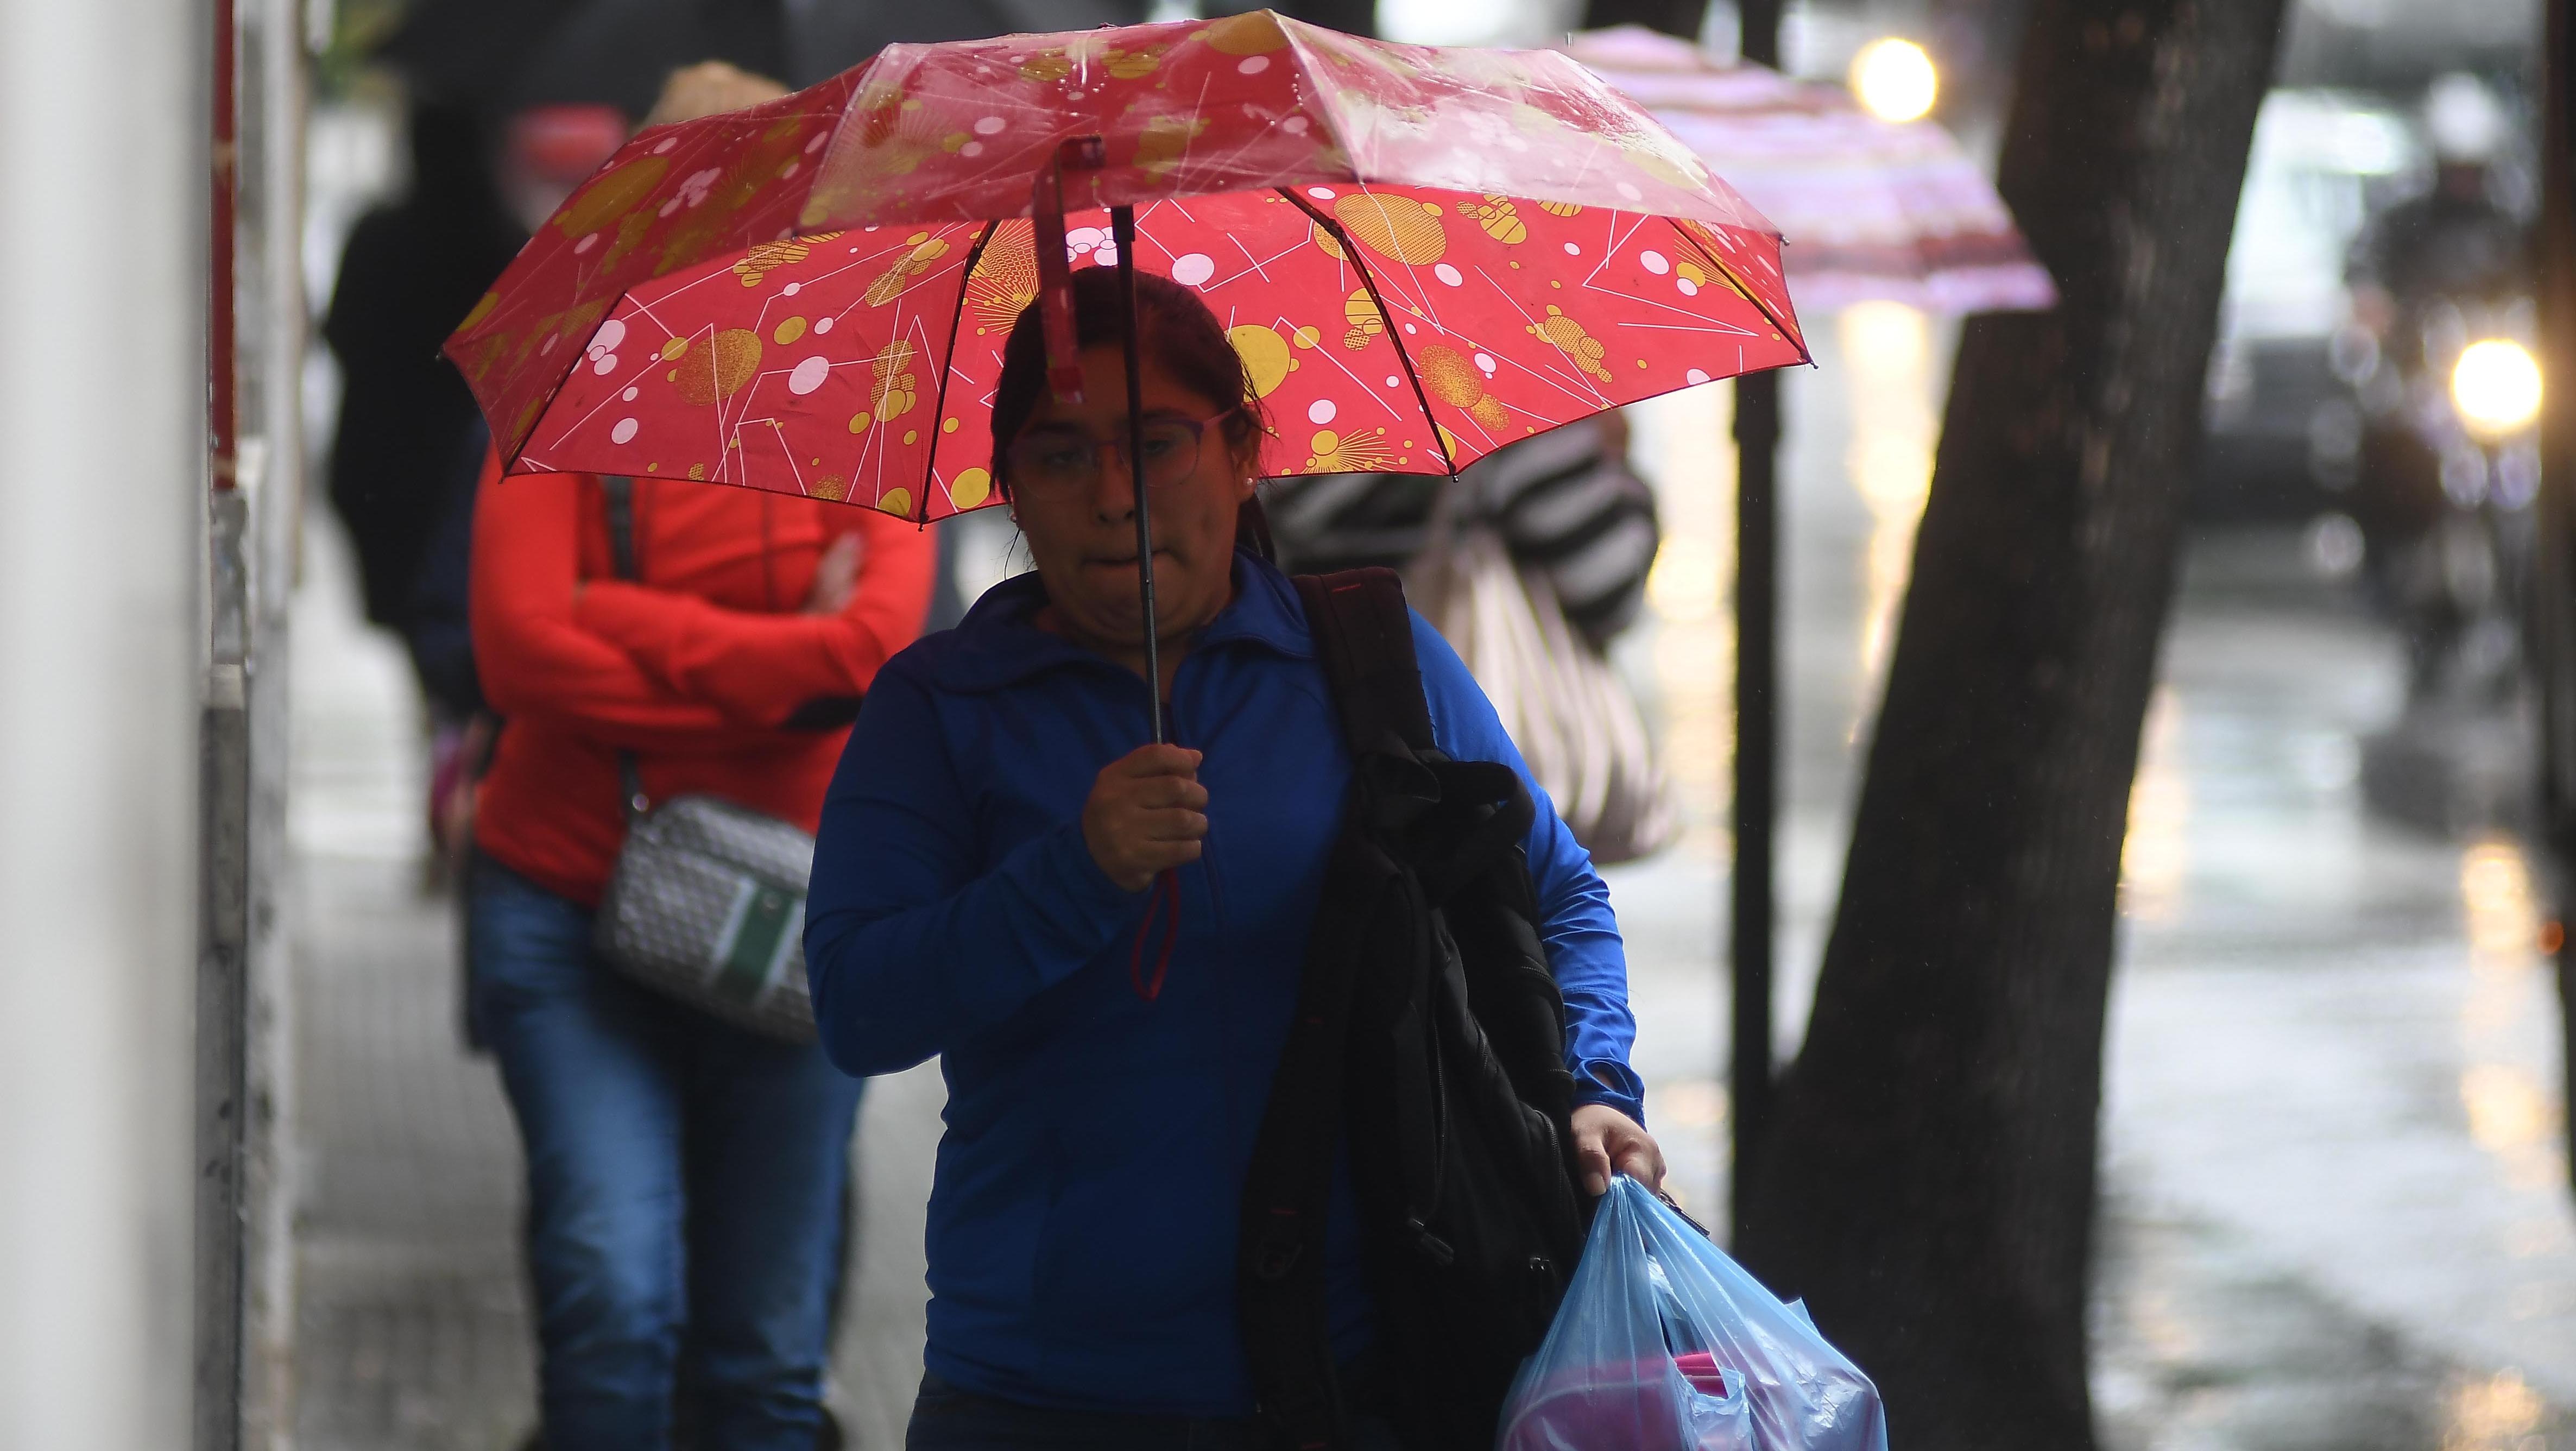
{"x": 1665, "y": 1344}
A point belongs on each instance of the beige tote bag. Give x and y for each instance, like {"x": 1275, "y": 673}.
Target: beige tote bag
{"x": 1567, "y": 710}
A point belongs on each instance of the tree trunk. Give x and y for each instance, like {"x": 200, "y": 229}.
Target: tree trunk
{"x": 2552, "y": 633}
{"x": 1672, "y": 17}
{"x": 1928, "y": 1185}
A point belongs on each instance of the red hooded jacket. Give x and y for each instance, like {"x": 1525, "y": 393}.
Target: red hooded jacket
{"x": 695, "y": 667}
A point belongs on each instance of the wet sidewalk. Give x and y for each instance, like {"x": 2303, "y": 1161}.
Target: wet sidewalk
{"x": 412, "y": 1313}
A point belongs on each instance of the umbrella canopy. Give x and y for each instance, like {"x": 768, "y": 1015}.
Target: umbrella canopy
{"x": 1871, "y": 208}
{"x": 1422, "y": 254}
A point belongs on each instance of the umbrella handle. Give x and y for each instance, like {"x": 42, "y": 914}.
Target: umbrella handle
{"x": 1055, "y": 273}
{"x": 1122, "y": 226}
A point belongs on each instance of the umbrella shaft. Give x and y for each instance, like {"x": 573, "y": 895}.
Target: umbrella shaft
{"x": 1122, "y": 222}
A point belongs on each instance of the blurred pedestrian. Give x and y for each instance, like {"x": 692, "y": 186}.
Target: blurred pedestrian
{"x": 410, "y": 270}
{"x": 1566, "y": 504}
{"x": 1530, "y": 563}
{"x": 981, "y": 874}
{"x": 409, "y": 439}
{"x": 685, "y": 1176}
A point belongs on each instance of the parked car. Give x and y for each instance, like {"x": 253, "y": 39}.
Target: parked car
{"x": 2283, "y": 424}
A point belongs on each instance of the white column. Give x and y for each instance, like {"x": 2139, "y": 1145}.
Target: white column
{"x": 103, "y": 229}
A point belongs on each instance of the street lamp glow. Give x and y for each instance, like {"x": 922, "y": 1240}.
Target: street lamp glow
{"x": 1894, "y": 80}
{"x": 2496, "y": 384}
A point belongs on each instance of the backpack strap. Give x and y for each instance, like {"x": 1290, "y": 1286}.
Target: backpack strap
{"x": 618, "y": 492}
{"x": 1364, "y": 640}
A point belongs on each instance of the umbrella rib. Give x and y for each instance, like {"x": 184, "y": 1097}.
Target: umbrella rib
{"x": 1735, "y": 279}
{"x": 1350, "y": 250}
{"x": 948, "y": 360}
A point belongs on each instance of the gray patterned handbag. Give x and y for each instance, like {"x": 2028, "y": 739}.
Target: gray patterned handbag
{"x": 707, "y": 903}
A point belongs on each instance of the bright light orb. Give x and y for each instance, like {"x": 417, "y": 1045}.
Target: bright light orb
{"x": 1894, "y": 80}
{"x": 2496, "y": 384}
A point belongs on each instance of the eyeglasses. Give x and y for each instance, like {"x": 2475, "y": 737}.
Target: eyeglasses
{"x": 1050, "y": 458}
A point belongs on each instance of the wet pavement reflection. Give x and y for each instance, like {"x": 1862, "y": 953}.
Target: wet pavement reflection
{"x": 2337, "y": 1211}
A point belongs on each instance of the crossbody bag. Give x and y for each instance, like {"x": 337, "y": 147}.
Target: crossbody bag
{"x": 707, "y": 902}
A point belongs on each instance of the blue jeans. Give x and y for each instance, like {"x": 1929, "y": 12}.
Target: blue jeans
{"x": 945, "y": 1418}
{"x": 684, "y": 1191}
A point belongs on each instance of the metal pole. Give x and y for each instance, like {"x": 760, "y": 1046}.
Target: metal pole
{"x": 103, "y": 401}
{"x": 1122, "y": 228}
{"x": 245, "y": 1018}
{"x": 1757, "y": 762}
{"x": 1757, "y": 715}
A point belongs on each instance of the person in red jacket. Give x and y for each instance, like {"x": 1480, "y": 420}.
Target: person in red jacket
{"x": 684, "y": 1176}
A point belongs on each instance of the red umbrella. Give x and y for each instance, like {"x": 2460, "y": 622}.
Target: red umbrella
{"x": 1421, "y": 253}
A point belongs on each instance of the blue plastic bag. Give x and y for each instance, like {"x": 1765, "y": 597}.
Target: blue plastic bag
{"x": 1665, "y": 1344}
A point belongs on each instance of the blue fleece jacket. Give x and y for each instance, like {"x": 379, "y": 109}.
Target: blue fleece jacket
{"x": 1082, "y": 1224}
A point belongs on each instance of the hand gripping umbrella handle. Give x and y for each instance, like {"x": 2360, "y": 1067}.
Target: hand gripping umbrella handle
{"x": 1055, "y": 273}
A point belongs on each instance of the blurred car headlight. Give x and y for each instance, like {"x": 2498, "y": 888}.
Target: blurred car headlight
{"x": 2496, "y": 386}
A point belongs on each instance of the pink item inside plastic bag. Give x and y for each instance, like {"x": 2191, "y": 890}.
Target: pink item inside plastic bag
{"x": 1703, "y": 1372}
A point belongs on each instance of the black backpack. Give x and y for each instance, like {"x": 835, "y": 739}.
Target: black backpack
{"x": 1429, "y": 1041}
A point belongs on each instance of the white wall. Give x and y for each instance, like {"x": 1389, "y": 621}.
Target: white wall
{"x": 102, "y": 379}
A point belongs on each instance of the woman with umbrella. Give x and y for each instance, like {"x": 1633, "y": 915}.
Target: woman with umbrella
{"x": 985, "y": 851}
{"x": 1362, "y": 257}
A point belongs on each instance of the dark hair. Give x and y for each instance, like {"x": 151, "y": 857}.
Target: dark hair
{"x": 1175, "y": 329}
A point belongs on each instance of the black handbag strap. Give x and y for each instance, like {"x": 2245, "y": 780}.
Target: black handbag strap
{"x": 1364, "y": 640}
{"x": 619, "y": 492}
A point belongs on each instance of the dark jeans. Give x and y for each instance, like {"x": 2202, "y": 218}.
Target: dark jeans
{"x": 684, "y": 1191}
{"x": 945, "y": 1418}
